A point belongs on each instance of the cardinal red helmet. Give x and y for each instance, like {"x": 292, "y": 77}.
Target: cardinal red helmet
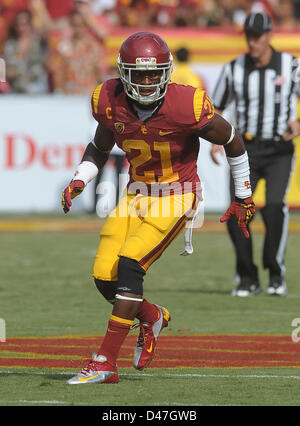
{"x": 145, "y": 51}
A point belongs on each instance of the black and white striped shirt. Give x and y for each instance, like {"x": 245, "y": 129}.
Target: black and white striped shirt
{"x": 265, "y": 98}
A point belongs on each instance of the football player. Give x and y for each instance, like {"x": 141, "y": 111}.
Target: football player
{"x": 157, "y": 124}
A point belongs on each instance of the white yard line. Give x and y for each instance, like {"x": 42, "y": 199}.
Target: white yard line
{"x": 27, "y": 401}
{"x": 182, "y": 375}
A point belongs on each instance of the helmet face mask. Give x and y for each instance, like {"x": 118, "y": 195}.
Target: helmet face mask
{"x": 145, "y": 66}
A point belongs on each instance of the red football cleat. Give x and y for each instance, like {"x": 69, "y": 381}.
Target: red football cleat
{"x": 146, "y": 342}
{"x": 99, "y": 370}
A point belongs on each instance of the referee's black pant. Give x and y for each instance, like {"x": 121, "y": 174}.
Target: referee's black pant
{"x": 272, "y": 161}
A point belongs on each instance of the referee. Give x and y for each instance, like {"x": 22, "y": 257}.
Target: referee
{"x": 262, "y": 84}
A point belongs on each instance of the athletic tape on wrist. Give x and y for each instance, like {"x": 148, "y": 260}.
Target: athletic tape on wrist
{"x": 240, "y": 171}
{"x": 86, "y": 171}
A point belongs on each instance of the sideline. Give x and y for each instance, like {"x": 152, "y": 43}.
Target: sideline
{"x": 95, "y": 225}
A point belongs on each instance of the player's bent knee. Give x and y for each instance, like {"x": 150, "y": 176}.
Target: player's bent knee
{"x": 130, "y": 276}
{"x": 108, "y": 289}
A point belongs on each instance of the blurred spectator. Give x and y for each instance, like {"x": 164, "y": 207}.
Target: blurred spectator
{"x": 3, "y": 32}
{"x": 97, "y": 23}
{"x": 285, "y": 18}
{"x": 187, "y": 12}
{"x": 59, "y": 8}
{"x": 100, "y": 15}
{"x": 101, "y": 6}
{"x": 296, "y": 9}
{"x": 263, "y": 6}
{"x": 54, "y": 15}
{"x": 242, "y": 8}
{"x": 8, "y": 11}
{"x": 135, "y": 13}
{"x": 77, "y": 61}
{"x": 106, "y": 9}
{"x": 183, "y": 73}
{"x": 40, "y": 21}
{"x": 226, "y": 18}
{"x": 165, "y": 13}
{"x": 210, "y": 14}
{"x": 24, "y": 53}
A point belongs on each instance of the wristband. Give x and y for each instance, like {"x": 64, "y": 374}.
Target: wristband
{"x": 86, "y": 171}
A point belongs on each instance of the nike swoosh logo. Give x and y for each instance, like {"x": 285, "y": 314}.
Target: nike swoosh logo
{"x": 81, "y": 379}
{"x": 161, "y": 133}
{"x": 150, "y": 349}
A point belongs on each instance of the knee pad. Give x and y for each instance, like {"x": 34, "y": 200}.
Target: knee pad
{"x": 108, "y": 289}
{"x": 130, "y": 276}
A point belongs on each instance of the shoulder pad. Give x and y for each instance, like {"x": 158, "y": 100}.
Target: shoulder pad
{"x": 194, "y": 108}
{"x": 103, "y": 100}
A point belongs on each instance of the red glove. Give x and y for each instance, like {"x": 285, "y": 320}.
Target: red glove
{"x": 74, "y": 188}
{"x": 243, "y": 210}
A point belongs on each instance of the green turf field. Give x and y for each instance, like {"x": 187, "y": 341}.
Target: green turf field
{"x": 46, "y": 290}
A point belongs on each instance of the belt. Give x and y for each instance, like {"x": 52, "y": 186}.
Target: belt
{"x": 262, "y": 143}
